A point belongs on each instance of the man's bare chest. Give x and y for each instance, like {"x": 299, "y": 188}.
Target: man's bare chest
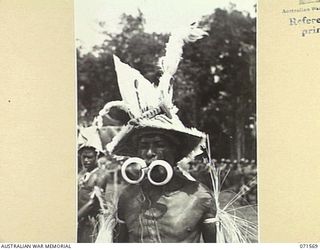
{"x": 175, "y": 215}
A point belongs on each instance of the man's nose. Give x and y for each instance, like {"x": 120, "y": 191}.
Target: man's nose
{"x": 150, "y": 152}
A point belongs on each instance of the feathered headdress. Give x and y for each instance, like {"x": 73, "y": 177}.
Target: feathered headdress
{"x": 104, "y": 127}
{"x": 151, "y": 107}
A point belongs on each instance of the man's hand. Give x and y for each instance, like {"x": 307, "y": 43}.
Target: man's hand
{"x": 97, "y": 197}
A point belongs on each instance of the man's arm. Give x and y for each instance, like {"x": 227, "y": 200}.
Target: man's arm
{"x": 121, "y": 234}
{"x": 85, "y": 209}
{"x": 93, "y": 205}
{"x": 209, "y": 232}
{"x": 209, "y": 220}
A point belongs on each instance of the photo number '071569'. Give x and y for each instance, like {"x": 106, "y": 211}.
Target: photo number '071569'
{"x": 309, "y": 245}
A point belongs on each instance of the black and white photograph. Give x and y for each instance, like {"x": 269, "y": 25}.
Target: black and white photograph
{"x": 166, "y": 126}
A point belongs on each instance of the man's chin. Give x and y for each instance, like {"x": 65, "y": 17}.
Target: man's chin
{"x": 88, "y": 168}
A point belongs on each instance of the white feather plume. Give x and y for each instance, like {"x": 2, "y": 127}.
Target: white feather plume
{"x": 170, "y": 61}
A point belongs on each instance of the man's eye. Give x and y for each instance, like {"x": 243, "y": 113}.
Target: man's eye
{"x": 143, "y": 146}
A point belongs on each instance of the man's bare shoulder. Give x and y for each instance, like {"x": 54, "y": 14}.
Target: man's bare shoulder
{"x": 197, "y": 188}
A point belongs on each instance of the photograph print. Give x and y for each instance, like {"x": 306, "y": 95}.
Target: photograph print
{"x": 166, "y": 129}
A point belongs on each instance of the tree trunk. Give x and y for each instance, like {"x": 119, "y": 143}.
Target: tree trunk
{"x": 238, "y": 145}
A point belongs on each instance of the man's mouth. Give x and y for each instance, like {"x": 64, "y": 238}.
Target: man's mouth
{"x": 149, "y": 161}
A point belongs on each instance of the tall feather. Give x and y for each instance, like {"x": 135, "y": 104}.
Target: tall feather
{"x": 136, "y": 91}
{"x": 170, "y": 61}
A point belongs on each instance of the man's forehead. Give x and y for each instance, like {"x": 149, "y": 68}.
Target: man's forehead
{"x": 152, "y": 137}
{"x": 88, "y": 152}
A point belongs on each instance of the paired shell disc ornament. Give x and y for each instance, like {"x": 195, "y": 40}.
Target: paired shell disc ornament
{"x": 144, "y": 170}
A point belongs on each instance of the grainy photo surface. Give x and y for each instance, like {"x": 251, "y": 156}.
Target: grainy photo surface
{"x": 166, "y": 121}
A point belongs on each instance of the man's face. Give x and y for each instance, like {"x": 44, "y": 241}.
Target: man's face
{"x": 88, "y": 159}
{"x": 153, "y": 147}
